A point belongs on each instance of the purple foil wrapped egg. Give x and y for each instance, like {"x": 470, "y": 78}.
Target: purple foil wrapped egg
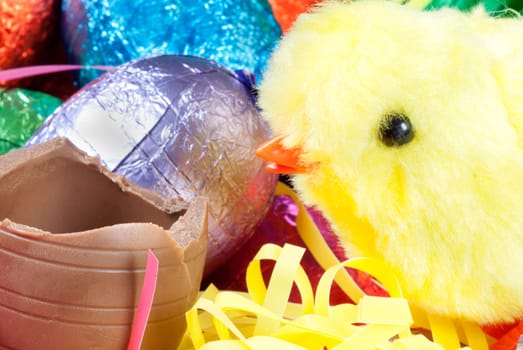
{"x": 182, "y": 126}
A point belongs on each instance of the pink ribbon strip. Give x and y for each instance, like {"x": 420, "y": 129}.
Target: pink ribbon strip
{"x": 31, "y": 71}
{"x": 145, "y": 303}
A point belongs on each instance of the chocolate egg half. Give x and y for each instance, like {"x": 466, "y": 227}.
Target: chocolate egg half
{"x": 73, "y": 247}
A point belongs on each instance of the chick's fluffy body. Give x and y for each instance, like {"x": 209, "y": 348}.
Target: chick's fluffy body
{"x": 444, "y": 211}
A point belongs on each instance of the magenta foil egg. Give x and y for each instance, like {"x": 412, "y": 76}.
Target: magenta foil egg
{"x": 184, "y": 127}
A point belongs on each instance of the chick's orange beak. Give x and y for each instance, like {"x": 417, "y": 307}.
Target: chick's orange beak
{"x": 282, "y": 160}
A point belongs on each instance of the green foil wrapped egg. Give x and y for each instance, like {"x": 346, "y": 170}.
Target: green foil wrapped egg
{"x": 21, "y": 113}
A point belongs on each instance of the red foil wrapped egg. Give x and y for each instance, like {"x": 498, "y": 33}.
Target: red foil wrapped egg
{"x": 286, "y": 11}
{"x": 25, "y": 29}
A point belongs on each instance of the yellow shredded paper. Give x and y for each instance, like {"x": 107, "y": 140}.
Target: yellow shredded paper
{"x": 263, "y": 318}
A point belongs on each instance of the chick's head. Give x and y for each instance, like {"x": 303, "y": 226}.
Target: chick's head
{"x": 401, "y": 121}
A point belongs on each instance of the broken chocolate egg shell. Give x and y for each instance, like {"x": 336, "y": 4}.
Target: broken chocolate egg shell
{"x": 73, "y": 250}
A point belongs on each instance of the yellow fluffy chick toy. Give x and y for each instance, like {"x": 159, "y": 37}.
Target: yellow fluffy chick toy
{"x": 406, "y": 129}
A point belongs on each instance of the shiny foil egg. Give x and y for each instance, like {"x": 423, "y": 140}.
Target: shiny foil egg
{"x": 286, "y": 11}
{"x": 236, "y": 33}
{"x": 182, "y": 126}
{"x": 21, "y": 113}
{"x": 25, "y": 30}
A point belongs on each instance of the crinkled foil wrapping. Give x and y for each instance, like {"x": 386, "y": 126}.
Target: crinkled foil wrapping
{"x": 25, "y": 28}
{"x": 182, "y": 126}
{"x": 286, "y": 11}
{"x": 21, "y": 113}
{"x": 236, "y": 33}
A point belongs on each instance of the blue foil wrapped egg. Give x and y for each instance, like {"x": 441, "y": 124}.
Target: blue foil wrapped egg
{"x": 182, "y": 126}
{"x": 236, "y": 33}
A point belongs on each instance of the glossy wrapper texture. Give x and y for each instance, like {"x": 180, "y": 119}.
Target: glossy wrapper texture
{"x": 182, "y": 126}
{"x": 25, "y": 29}
{"x": 286, "y": 11}
{"x": 21, "y": 113}
{"x": 510, "y": 8}
{"x": 237, "y": 33}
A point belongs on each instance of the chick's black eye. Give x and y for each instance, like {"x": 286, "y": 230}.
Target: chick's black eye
{"x": 396, "y": 130}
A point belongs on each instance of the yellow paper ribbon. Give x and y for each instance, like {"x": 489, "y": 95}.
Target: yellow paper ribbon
{"x": 263, "y": 318}
{"x": 448, "y": 333}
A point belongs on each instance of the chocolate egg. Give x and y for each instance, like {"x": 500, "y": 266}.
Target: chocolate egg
{"x": 184, "y": 127}
{"x": 237, "y": 33}
{"x": 73, "y": 246}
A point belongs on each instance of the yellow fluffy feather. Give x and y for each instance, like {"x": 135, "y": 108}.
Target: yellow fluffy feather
{"x": 445, "y": 209}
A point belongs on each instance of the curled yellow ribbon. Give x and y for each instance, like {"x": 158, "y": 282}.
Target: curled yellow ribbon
{"x": 264, "y": 318}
